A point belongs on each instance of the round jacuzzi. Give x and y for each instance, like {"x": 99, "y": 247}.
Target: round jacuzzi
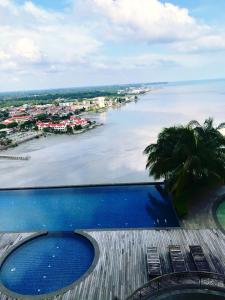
{"x": 220, "y": 214}
{"x": 47, "y": 263}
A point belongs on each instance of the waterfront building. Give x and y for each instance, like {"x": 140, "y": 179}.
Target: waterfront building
{"x": 78, "y": 121}
{"x": 17, "y": 119}
{"x": 56, "y": 126}
{"x": 100, "y": 102}
{"x": 62, "y": 126}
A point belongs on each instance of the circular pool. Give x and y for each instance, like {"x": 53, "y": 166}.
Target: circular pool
{"x": 220, "y": 214}
{"x": 47, "y": 263}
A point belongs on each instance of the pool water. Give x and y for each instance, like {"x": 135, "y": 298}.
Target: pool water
{"x": 221, "y": 214}
{"x": 47, "y": 263}
{"x": 65, "y": 209}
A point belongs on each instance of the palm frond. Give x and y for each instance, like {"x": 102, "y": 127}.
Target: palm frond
{"x": 193, "y": 124}
{"x": 221, "y": 126}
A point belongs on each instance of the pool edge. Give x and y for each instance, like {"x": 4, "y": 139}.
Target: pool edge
{"x": 62, "y": 291}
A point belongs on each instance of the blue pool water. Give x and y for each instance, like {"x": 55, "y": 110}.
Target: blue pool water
{"x": 40, "y": 266}
{"x": 65, "y": 209}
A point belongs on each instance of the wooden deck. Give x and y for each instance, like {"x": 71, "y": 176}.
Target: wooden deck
{"x": 121, "y": 268}
{"x": 200, "y": 212}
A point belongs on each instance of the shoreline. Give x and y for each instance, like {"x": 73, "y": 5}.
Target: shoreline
{"x": 15, "y": 144}
{"x": 41, "y": 134}
{"x": 91, "y": 127}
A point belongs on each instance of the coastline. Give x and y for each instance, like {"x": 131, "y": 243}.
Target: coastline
{"x": 41, "y": 134}
{"x": 15, "y": 144}
{"x": 77, "y": 132}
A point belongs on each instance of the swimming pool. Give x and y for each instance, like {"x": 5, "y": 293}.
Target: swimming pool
{"x": 47, "y": 263}
{"x": 92, "y": 207}
{"x": 220, "y": 214}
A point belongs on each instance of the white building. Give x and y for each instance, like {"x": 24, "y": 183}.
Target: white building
{"x": 100, "y": 102}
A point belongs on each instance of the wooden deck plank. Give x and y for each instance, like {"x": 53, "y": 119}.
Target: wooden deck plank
{"x": 121, "y": 268}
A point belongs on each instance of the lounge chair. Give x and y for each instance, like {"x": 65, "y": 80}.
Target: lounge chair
{"x": 154, "y": 268}
{"x": 177, "y": 259}
{"x": 199, "y": 258}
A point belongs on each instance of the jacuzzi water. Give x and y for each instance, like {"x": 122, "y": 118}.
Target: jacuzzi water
{"x": 47, "y": 263}
{"x": 67, "y": 209}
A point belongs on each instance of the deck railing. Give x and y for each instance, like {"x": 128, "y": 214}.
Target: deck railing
{"x": 173, "y": 281}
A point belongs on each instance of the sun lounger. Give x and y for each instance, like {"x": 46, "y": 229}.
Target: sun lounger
{"x": 153, "y": 262}
{"x": 177, "y": 259}
{"x": 199, "y": 258}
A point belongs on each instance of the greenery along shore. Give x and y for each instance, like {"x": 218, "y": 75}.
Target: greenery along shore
{"x": 188, "y": 158}
{"x": 72, "y": 94}
{"x": 49, "y": 113}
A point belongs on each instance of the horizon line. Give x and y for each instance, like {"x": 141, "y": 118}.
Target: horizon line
{"x": 107, "y": 85}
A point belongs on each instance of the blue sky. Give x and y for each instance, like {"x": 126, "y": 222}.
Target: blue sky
{"x": 207, "y": 10}
{"x": 50, "y": 4}
{"x": 63, "y": 43}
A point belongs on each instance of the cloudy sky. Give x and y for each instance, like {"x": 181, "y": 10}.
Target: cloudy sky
{"x": 68, "y": 43}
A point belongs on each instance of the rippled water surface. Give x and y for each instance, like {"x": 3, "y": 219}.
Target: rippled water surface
{"x": 67, "y": 209}
{"x": 40, "y": 266}
{"x": 113, "y": 153}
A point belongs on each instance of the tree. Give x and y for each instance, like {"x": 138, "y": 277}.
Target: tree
{"x": 12, "y": 125}
{"x": 47, "y": 129}
{"x": 78, "y": 127}
{"x": 188, "y": 157}
{"x": 41, "y": 117}
{"x": 2, "y": 126}
{"x": 69, "y": 129}
{"x": 3, "y": 134}
{"x": 27, "y": 125}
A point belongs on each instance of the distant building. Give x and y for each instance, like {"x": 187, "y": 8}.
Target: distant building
{"x": 17, "y": 119}
{"x": 62, "y": 126}
{"x": 56, "y": 126}
{"x": 75, "y": 121}
{"x": 110, "y": 103}
{"x": 26, "y": 106}
{"x": 100, "y": 102}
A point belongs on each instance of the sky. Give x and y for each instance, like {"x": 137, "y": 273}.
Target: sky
{"x": 69, "y": 43}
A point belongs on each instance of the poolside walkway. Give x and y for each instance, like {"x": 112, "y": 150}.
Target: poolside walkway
{"x": 121, "y": 268}
{"x": 200, "y": 213}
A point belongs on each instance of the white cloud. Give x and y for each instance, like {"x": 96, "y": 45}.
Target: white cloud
{"x": 209, "y": 42}
{"x": 31, "y": 36}
{"x": 149, "y": 19}
{"x": 75, "y": 42}
{"x": 26, "y": 48}
{"x": 154, "y": 22}
{"x": 152, "y": 61}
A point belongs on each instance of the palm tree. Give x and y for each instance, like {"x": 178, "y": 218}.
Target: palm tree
{"x": 188, "y": 156}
